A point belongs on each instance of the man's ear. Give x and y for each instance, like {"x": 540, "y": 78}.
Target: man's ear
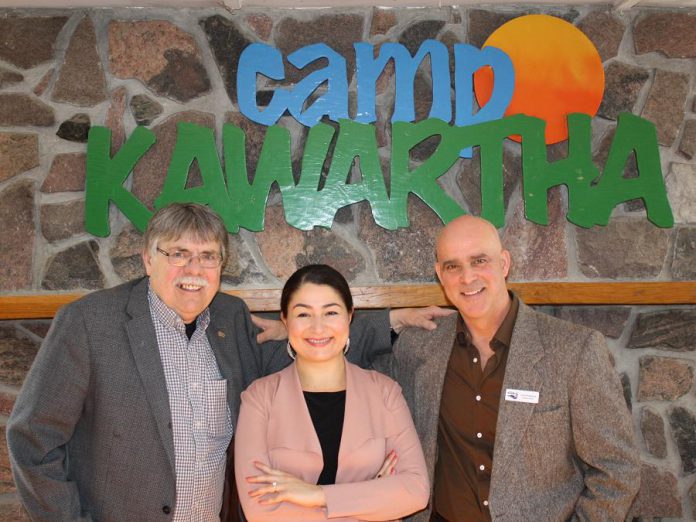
{"x": 506, "y": 261}
{"x": 147, "y": 261}
{"x": 437, "y": 271}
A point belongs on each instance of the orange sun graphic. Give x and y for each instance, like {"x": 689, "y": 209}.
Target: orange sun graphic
{"x": 558, "y": 71}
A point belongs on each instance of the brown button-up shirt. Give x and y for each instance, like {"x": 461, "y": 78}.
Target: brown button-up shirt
{"x": 466, "y": 429}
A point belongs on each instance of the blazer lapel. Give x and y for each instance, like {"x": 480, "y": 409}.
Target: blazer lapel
{"x": 521, "y": 373}
{"x": 354, "y": 434}
{"x": 143, "y": 344}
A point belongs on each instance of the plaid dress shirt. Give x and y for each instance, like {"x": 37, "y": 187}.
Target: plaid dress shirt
{"x": 201, "y": 422}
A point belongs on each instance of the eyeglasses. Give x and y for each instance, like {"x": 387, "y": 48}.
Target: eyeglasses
{"x": 184, "y": 257}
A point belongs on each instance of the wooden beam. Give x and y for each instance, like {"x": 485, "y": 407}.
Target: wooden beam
{"x": 44, "y": 306}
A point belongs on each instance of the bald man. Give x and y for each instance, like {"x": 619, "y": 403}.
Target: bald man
{"x": 521, "y": 415}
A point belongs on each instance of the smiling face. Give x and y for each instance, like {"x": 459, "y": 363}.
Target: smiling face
{"x": 472, "y": 267}
{"x": 188, "y": 290}
{"x": 318, "y": 323}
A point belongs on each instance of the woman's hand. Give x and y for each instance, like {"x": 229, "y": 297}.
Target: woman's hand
{"x": 278, "y": 486}
{"x": 388, "y": 466}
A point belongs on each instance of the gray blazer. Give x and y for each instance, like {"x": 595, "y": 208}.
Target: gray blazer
{"x": 90, "y": 434}
{"x": 570, "y": 456}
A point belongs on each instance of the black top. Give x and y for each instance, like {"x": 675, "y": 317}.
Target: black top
{"x": 327, "y": 410}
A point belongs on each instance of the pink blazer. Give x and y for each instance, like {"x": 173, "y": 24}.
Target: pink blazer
{"x": 275, "y": 428}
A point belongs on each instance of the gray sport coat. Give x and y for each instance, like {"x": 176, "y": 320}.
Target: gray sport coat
{"x": 90, "y": 434}
{"x": 571, "y": 456}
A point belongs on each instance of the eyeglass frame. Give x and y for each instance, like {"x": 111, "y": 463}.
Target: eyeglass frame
{"x": 188, "y": 257}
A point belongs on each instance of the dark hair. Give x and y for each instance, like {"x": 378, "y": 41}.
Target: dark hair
{"x": 318, "y": 275}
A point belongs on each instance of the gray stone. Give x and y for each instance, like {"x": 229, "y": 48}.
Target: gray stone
{"x": 255, "y": 134}
{"x": 7, "y": 400}
{"x": 74, "y": 268}
{"x": 623, "y": 84}
{"x": 39, "y": 327}
{"x": 687, "y": 145}
{"x": 626, "y": 387}
{"x": 28, "y": 41}
{"x": 150, "y": 171}
{"x": 241, "y": 268}
{"x": 75, "y": 129}
{"x": 613, "y": 252}
{"x": 681, "y": 189}
{"x": 469, "y": 178}
{"x": 610, "y": 320}
{"x": 658, "y": 495}
{"x": 602, "y": 153}
{"x": 382, "y": 21}
{"x": 653, "y": 429}
{"x": 673, "y": 330}
{"x": 285, "y": 249}
{"x": 13, "y": 512}
{"x": 40, "y": 87}
{"x": 683, "y": 424}
{"x": 114, "y": 118}
{"x": 666, "y": 103}
{"x": 8, "y": 77}
{"x": 23, "y": 110}
{"x": 227, "y": 43}
{"x": 338, "y": 31}
{"x": 538, "y": 251}
{"x": 406, "y": 254}
{"x": 683, "y": 266}
{"x": 663, "y": 379}
{"x": 17, "y": 218}
{"x": 126, "y": 254}
{"x": 7, "y": 486}
{"x": 145, "y": 109}
{"x": 161, "y": 55}
{"x": 18, "y": 153}
{"x": 605, "y": 31}
{"x": 16, "y": 356}
{"x": 81, "y": 80}
{"x": 414, "y": 35}
{"x": 692, "y": 498}
{"x": 61, "y": 221}
{"x": 261, "y": 24}
{"x": 67, "y": 173}
{"x": 672, "y": 34}
{"x": 482, "y": 23}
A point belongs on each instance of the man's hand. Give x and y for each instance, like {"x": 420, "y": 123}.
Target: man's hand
{"x": 271, "y": 329}
{"x": 401, "y": 318}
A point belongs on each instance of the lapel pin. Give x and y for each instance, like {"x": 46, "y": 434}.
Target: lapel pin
{"x": 221, "y": 334}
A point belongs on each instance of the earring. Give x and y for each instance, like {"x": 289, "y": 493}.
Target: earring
{"x": 291, "y": 352}
{"x": 347, "y": 347}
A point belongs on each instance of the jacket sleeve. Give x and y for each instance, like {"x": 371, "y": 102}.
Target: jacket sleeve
{"x": 603, "y": 436}
{"x": 44, "y": 416}
{"x": 393, "y": 496}
{"x": 370, "y": 337}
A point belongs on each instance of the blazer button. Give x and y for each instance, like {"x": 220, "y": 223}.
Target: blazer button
{"x": 166, "y": 510}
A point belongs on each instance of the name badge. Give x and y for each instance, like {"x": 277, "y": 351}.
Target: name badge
{"x": 529, "y": 396}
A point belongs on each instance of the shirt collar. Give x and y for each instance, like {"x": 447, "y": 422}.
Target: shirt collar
{"x": 169, "y": 317}
{"x": 502, "y": 336}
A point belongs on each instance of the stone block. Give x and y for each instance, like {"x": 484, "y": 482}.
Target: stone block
{"x": 126, "y": 254}
{"x": 613, "y": 252}
{"x": 16, "y": 356}
{"x": 261, "y": 24}
{"x": 663, "y": 379}
{"x": 687, "y": 144}
{"x": 653, "y": 429}
{"x": 29, "y": 41}
{"x": 40, "y": 87}
{"x": 406, "y": 254}
{"x": 17, "y": 215}
{"x": 18, "y": 153}
{"x": 6, "y": 482}
{"x": 159, "y": 54}
{"x": 683, "y": 424}
{"x": 63, "y": 220}
{"x": 255, "y": 135}
{"x": 23, "y": 110}
{"x": 610, "y": 320}
{"x": 81, "y": 79}
{"x": 658, "y": 496}
{"x": 114, "y": 118}
{"x": 692, "y": 498}
{"x": 683, "y": 266}
{"x": 681, "y": 190}
{"x": 469, "y": 178}
{"x": 13, "y": 512}
{"x": 7, "y": 401}
{"x": 605, "y": 31}
{"x": 623, "y": 84}
{"x": 38, "y": 327}
{"x": 241, "y": 267}
{"x": 670, "y": 33}
{"x": 666, "y": 104}
{"x": 75, "y": 129}
{"x": 67, "y": 173}
{"x": 415, "y": 34}
{"x": 150, "y": 171}
{"x": 626, "y": 387}
{"x": 673, "y": 330}
{"x": 382, "y": 21}
{"x": 75, "y": 268}
{"x": 482, "y": 23}
{"x": 8, "y": 77}
{"x": 145, "y": 110}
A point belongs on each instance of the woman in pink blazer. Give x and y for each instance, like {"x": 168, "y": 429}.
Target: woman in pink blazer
{"x": 324, "y": 439}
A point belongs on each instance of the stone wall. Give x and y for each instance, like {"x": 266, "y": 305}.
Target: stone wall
{"x": 64, "y": 70}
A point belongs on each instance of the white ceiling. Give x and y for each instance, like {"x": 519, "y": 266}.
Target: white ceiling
{"x": 237, "y": 4}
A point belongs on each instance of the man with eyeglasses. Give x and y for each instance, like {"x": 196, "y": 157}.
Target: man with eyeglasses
{"x": 130, "y": 405}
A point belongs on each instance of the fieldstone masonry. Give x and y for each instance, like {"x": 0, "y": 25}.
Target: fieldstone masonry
{"x": 63, "y": 71}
